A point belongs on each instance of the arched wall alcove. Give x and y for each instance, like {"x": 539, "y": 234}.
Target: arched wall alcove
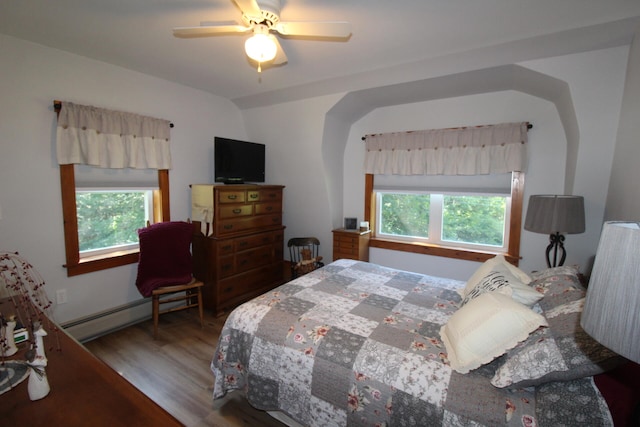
{"x": 357, "y": 104}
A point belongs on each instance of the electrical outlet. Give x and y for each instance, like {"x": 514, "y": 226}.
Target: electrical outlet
{"x": 61, "y": 296}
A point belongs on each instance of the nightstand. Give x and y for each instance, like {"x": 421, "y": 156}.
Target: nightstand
{"x": 351, "y": 244}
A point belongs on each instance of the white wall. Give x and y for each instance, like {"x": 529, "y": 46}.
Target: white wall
{"x": 31, "y": 224}
{"x": 596, "y": 83}
{"x": 623, "y": 202}
{"x": 293, "y": 134}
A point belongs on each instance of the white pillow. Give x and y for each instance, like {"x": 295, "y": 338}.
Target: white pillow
{"x": 486, "y": 328}
{"x": 496, "y": 274}
{"x": 489, "y": 264}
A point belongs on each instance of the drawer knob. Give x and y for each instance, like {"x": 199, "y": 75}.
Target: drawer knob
{"x": 232, "y": 197}
{"x": 253, "y": 196}
{"x": 228, "y": 227}
{"x": 237, "y": 211}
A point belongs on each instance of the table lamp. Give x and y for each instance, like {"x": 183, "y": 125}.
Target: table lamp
{"x": 555, "y": 215}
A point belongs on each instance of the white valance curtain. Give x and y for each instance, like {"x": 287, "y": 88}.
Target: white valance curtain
{"x": 478, "y": 150}
{"x": 111, "y": 139}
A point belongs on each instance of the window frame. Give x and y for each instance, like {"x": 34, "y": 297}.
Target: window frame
{"x": 74, "y": 264}
{"x": 436, "y": 217}
{"x": 149, "y": 193}
{"x": 514, "y": 229}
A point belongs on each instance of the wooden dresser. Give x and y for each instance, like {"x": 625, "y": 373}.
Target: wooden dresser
{"x": 240, "y": 255}
{"x": 351, "y": 244}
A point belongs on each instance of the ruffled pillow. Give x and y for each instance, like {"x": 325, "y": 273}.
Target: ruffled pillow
{"x": 563, "y": 351}
{"x": 486, "y": 328}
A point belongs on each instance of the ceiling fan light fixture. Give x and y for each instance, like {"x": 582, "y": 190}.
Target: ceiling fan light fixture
{"x": 260, "y": 47}
{"x": 261, "y": 17}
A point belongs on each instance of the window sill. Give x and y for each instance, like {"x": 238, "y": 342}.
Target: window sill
{"x": 435, "y": 250}
{"x": 102, "y": 262}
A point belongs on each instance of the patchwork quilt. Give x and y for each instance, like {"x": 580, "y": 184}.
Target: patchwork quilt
{"x": 358, "y": 344}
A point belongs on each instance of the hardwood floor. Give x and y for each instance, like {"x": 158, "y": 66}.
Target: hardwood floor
{"x": 174, "y": 369}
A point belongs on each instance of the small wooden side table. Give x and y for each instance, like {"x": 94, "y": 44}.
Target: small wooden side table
{"x": 351, "y": 244}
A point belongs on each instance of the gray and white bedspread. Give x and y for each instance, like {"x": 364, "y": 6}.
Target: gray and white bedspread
{"x": 358, "y": 344}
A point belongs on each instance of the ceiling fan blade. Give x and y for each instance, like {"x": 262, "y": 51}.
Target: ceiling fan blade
{"x": 249, "y": 8}
{"x": 209, "y": 30}
{"x": 340, "y": 29}
{"x": 281, "y": 57}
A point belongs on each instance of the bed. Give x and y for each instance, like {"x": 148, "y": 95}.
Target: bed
{"x": 359, "y": 344}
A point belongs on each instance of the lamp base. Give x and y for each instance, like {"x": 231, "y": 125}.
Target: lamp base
{"x": 556, "y": 243}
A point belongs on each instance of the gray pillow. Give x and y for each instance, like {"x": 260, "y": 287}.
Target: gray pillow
{"x": 561, "y": 352}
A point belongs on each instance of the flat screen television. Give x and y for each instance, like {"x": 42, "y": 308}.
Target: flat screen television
{"x": 237, "y": 162}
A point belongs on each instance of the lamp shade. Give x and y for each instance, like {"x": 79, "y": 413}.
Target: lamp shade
{"x": 555, "y": 214}
{"x": 261, "y": 47}
{"x": 611, "y": 312}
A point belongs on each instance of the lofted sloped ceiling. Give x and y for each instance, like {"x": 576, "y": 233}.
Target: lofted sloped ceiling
{"x": 387, "y": 37}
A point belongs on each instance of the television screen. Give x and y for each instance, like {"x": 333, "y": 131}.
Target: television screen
{"x": 237, "y": 162}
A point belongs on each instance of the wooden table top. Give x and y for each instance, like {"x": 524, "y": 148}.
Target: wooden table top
{"x": 84, "y": 391}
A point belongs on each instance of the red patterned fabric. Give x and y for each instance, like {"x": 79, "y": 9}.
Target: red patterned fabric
{"x": 165, "y": 256}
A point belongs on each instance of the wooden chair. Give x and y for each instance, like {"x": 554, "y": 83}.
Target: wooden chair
{"x": 303, "y": 252}
{"x": 165, "y": 269}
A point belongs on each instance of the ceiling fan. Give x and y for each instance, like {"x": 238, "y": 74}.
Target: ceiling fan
{"x": 261, "y": 17}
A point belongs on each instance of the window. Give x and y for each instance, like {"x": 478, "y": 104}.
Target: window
{"x": 475, "y": 221}
{"x": 77, "y": 263}
{"x": 109, "y": 140}
{"x": 444, "y": 214}
{"x": 108, "y": 219}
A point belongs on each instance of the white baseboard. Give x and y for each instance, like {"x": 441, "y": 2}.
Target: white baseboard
{"x": 95, "y": 325}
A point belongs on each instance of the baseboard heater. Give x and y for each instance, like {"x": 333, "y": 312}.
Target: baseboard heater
{"x": 95, "y": 325}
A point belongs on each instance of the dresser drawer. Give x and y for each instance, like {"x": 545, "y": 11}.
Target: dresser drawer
{"x": 345, "y": 253}
{"x": 253, "y": 258}
{"x": 233, "y": 211}
{"x": 250, "y": 283}
{"x": 225, "y": 266}
{"x": 270, "y": 195}
{"x": 253, "y": 195}
{"x": 232, "y": 196}
{"x": 340, "y": 241}
{"x": 248, "y": 242}
{"x": 247, "y": 252}
{"x": 268, "y": 208}
{"x": 225, "y": 247}
{"x": 229, "y": 226}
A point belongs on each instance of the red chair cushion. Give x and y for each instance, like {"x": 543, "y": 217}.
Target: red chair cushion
{"x": 165, "y": 256}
